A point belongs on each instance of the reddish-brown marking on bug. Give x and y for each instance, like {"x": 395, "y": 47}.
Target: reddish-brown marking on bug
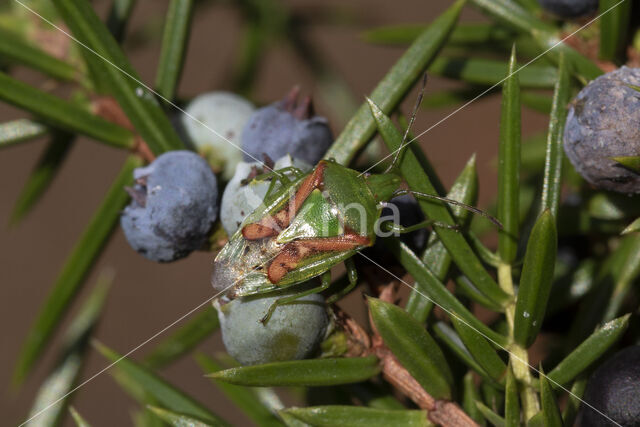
{"x": 294, "y": 252}
{"x": 270, "y": 226}
{"x": 258, "y": 231}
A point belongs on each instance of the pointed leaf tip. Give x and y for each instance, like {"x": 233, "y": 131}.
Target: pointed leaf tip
{"x": 489, "y": 415}
{"x": 589, "y": 351}
{"x": 632, "y": 228}
{"x": 147, "y": 387}
{"x": 257, "y": 404}
{"x": 550, "y": 410}
{"x": 123, "y": 82}
{"x": 311, "y": 372}
{"x": 414, "y": 348}
{"x": 536, "y": 279}
{"x": 509, "y": 164}
{"x": 177, "y": 419}
{"x": 395, "y": 84}
{"x": 512, "y": 404}
{"x": 354, "y": 416}
{"x": 75, "y": 269}
{"x": 77, "y": 418}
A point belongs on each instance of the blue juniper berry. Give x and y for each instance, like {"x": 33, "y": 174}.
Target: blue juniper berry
{"x": 285, "y": 127}
{"x": 614, "y": 388}
{"x": 604, "y": 122}
{"x": 174, "y": 203}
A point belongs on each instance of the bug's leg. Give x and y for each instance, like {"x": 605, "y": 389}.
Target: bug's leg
{"x": 294, "y": 171}
{"x": 419, "y": 195}
{"x": 352, "y": 275}
{"x": 292, "y": 253}
{"x": 400, "y": 229}
{"x": 283, "y": 178}
{"x": 271, "y": 225}
{"x": 280, "y": 175}
{"x": 259, "y": 177}
{"x": 397, "y": 157}
{"x": 286, "y": 170}
{"x": 325, "y": 282}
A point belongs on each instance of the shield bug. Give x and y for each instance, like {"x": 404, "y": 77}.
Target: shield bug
{"x": 310, "y": 223}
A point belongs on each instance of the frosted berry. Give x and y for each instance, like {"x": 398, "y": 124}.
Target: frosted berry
{"x": 240, "y": 197}
{"x": 174, "y": 203}
{"x": 226, "y": 114}
{"x": 614, "y": 389}
{"x": 286, "y": 127}
{"x": 294, "y": 331}
{"x": 604, "y": 122}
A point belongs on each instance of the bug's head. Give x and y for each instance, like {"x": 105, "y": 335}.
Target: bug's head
{"x": 383, "y": 186}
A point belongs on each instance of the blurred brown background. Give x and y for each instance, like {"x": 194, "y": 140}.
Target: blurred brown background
{"x": 146, "y": 297}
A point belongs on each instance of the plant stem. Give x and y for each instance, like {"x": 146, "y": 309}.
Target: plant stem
{"x": 518, "y": 355}
{"x": 520, "y": 365}
{"x": 506, "y": 284}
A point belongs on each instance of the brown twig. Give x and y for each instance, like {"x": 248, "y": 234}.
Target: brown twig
{"x": 55, "y": 43}
{"x": 633, "y": 56}
{"x": 589, "y": 48}
{"x": 449, "y": 414}
{"x": 109, "y": 109}
{"x": 142, "y": 149}
{"x": 379, "y": 280}
{"x": 401, "y": 379}
{"x": 360, "y": 343}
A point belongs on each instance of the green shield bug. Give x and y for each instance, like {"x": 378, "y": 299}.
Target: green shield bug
{"x": 310, "y": 223}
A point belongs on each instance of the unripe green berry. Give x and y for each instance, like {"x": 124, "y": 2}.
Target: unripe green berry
{"x": 294, "y": 331}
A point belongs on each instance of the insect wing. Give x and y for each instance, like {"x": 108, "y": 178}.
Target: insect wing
{"x": 240, "y": 267}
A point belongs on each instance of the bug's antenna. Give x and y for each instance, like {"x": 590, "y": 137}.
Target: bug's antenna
{"x": 414, "y": 113}
{"x": 452, "y": 202}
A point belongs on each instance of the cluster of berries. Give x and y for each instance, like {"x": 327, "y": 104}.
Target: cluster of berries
{"x": 175, "y": 202}
{"x": 175, "y": 198}
{"x": 603, "y": 123}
